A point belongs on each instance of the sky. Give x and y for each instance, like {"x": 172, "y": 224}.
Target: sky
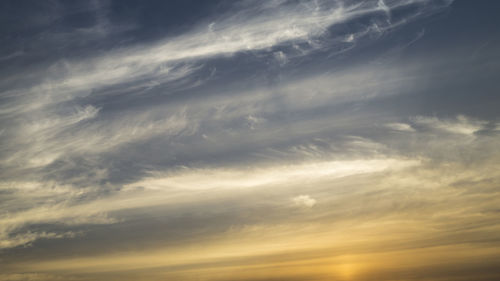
{"x": 273, "y": 140}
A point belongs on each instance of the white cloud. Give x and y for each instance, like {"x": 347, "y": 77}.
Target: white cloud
{"x": 400, "y": 127}
{"x": 280, "y": 57}
{"x": 230, "y": 178}
{"x": 45, "y": 140}
{"x": 461, "y": 124}
{"x": 254, "y": 121}
{"x": 350, "y": 38}
{"x": 28, "y": 237}
{"x": 304, "y": 201}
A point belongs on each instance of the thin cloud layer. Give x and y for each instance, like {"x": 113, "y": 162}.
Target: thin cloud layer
{"x": 249, "y": 140}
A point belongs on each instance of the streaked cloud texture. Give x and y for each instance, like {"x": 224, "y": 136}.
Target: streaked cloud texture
{"x": 249, "y": 140}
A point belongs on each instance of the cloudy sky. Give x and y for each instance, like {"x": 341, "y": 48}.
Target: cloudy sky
{"x": 250, "y": 140}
